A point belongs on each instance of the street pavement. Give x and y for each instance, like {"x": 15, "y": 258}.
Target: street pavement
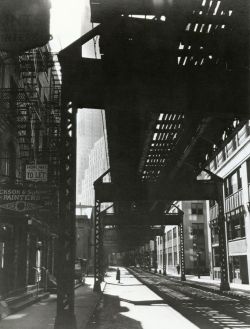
{"x": 131, "y": 305}
{"x": 207, "y": 308}
{"x": 41, "y": 315}
{"x": 144, "y": 300}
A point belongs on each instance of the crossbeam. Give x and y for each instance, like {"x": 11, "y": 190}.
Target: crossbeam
{"x": 197, "y": 190}
{"x": 89, "y": 86}
{"x": 139, "y": 219}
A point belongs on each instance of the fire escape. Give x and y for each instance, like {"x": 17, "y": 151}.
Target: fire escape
{"x": 33, "y": 107}
{"x": 39, "y": 119}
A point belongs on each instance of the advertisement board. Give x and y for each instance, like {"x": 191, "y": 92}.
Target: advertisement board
{"x": 22, "y": 199}
{"x": 37, "y": 172}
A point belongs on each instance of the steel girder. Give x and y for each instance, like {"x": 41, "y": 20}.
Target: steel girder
{"x": 130, "y": 219}
{"x": 224, "y": 284}
{"x": 181, "y": 235}
{"x": 192, "y": 190}
{"x": 65, "y": 318}
{"x": 98, "y": 252}
{"x": 99, "y": 232}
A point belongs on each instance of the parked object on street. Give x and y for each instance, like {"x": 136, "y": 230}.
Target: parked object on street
{"x": 80, "y": 270}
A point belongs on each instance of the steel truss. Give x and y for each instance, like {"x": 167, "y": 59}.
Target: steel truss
{"x": 224, "y": 283}
{"x": 99, "y": 232}
{"x": 181, "y": 235}
{"x": 98, "y": 247}
{"x": 66, "y": 249}
{"x": 164, "y": 251}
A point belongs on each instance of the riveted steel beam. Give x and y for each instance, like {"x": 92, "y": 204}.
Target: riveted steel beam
{"x": 193, "y": 190}
{"x": 130, "y": 219}
{"x": 65, "y": 317}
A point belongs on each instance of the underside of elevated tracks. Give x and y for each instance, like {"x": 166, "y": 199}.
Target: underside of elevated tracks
{"x": 173, "y": 79}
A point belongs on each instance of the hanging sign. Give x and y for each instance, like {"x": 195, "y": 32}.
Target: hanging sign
{"x": 37, "y": 172}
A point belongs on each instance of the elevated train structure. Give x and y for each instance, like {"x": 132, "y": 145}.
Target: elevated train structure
{"x": 173, "y": 79}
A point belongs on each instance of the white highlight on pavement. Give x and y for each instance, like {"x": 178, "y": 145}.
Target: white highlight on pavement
{"x": 166, "y": 316}
{"x": 15, "y": 316}
{"x": 143, "y": 305}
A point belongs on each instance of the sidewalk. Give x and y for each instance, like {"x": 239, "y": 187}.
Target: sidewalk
{"x": 42, "y": 315}
{"x": 206, "y": 283}
{"x": 130, "y": 304}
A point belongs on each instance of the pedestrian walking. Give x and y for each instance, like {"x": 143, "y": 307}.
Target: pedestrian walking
{"x": 118, "y": 274}
{"x": 178, "y": 268}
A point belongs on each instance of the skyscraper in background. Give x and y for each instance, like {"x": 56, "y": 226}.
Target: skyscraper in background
{"x": 90, "y": 122}
{"x": 89, "y": 131}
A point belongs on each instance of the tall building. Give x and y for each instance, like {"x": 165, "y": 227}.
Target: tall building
{"x": 29, "y": 169}
{"x": 195, "y": 240}
{"x": 97, "y": 165}
{"x": 90, "y": 122}
{"x": 232, "y": 163}
{"x": 89, "y": 131}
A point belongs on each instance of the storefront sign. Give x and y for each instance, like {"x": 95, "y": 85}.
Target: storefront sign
{"x": 21, "y": 199}
{"x": 37, "y": 172}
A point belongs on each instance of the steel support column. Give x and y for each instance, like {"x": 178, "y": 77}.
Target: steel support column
{"x": 98, "y": 247}
{"x": 164, "y": 250}
{"x": 65, "y": 317}
{"x": 182, "y": 251}
{"x": 224, "y": 284}
{"x": 155, "y": 264}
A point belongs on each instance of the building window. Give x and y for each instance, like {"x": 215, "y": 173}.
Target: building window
{"x": 198, "y": 230}
{"x": 234, "y": 143}
{"x": 197, "y": 208}
{"x": 235, "y": 224}
{"x": 212, "y": 203}
{"x": 233, "y": 183}
{"x": 170, "y": 258}
{"x": 248, "y": 170}
{"x": 169, "y": 235}
{"x": 223, "y": 153}
{"x": 2, "y": 251}
{"x": 216, "y": 257}
{"x": 5, "y": 164}
{"x": 199, "y": 243}
{"x": 215, "y": 163}
{"x": 215, "y": 234}
{"x": 174, "y": 233}
{"x": 175, "y": 255}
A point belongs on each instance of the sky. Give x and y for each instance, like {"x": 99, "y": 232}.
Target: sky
{"x": 66, "y": 17}
{"x": 70, "y": 20}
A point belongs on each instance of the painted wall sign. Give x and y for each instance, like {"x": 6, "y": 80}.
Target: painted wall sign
{"x": 22, "y": 199}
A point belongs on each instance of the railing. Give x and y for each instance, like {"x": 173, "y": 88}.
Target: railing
{"x": 233, "y": 201}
